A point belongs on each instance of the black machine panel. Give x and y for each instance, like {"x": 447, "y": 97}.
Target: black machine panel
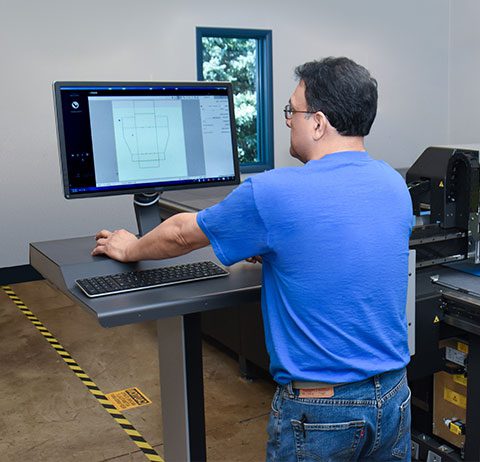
{"x": 444, "y": 186}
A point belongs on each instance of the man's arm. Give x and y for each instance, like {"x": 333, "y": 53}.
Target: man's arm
{"x": 176, "y": 236}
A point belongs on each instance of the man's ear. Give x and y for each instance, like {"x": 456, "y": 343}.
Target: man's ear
{"x": 321, "y": 123}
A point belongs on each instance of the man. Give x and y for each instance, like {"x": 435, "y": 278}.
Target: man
{"x": 333, "y": 238}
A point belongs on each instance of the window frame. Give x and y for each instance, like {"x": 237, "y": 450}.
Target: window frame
{"x": 264, "y": 88}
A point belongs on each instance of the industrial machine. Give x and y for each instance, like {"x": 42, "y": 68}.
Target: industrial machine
{"x": 444, "y": 185}
{"x": 444, "y": 373}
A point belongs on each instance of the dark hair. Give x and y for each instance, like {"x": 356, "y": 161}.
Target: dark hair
{"x": 344, "y": 91}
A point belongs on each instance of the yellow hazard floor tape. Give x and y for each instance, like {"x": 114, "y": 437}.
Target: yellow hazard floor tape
{"x": 136, "y": 437}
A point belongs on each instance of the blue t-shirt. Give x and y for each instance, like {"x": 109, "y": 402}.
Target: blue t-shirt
{"x": 334, "y": 236}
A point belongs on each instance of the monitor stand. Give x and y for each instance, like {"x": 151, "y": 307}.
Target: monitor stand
{"x": 147, "y": 212}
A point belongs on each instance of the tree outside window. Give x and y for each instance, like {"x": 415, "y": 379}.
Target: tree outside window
{"x": 238, "y": 56}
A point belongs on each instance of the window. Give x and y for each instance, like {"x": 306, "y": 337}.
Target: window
{"x": 243, "y": 57}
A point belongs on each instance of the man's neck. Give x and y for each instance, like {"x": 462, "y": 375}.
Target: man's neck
{"x": 338, "y": 144}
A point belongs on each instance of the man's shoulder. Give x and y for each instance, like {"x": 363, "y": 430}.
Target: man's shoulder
{"x": 392, "y": 175}
{"x": 276, "y": 175}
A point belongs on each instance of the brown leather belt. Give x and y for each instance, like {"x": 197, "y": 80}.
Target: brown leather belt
{"x": 299, "y": 385}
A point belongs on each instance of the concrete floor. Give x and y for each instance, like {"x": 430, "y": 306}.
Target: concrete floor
{"x": 47, "y": 413}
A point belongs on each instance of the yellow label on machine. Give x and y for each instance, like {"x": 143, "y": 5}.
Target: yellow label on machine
{"x": 463, "y": 347}
{"x": 455, "y": 398}
{"x": 460, "y": 379}
{"x": 128, "y": 398}
{"x": 454, "y": 428}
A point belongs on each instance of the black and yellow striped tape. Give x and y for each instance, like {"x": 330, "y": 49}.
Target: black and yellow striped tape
{"x": 137, "y": 438}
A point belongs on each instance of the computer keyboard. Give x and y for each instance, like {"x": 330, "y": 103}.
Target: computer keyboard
{"x": 145, "y": 279}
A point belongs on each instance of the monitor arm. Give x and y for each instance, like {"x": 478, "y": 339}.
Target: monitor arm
{"x": 147, "y": 211}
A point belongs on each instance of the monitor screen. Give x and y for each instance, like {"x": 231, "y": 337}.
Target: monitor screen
{"x": 119, "y": 138}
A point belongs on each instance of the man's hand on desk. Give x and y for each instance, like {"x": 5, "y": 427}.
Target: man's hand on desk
{"x": 115, "y": 244}
{"x": 175, "y": 236}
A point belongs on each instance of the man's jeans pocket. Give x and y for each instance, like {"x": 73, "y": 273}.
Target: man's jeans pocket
{"x": 273, "y": 428}
{"x": 275, "y": 402}
{"x": 402, "y": 444}
{"x": 326, "y": 441}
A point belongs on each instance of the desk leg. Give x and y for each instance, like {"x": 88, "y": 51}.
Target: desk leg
{"x": 181, "y": 383}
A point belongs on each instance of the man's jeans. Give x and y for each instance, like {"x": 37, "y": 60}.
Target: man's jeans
{"x": 362, "y": 421}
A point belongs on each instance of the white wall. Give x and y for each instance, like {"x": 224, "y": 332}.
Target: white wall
{"x": 464, "y": 73}
{"x": 404, "y": 44}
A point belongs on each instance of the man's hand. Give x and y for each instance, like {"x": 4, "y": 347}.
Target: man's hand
{"x": 255, "y": 259}
{"x": 175, "y": 236}
{"x": 115, "y": 244}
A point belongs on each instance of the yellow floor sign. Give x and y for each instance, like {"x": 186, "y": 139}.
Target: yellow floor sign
{"x": 128, "y": 399}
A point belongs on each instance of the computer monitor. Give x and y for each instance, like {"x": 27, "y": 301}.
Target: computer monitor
{"x": 144, "y": 137}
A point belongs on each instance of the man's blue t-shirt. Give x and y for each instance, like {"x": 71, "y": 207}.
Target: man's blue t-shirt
{"x": 334, "y": 236}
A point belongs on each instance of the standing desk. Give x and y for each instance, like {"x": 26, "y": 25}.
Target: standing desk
{"x": 176, "y": 309}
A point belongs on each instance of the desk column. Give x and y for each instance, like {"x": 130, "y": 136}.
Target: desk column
{"x": 181, "y": 384}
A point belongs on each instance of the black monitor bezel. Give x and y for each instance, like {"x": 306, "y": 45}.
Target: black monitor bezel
{"x": 58, "y": 109}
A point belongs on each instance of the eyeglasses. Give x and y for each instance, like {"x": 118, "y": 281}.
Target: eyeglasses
{"x": 288, "y": 111}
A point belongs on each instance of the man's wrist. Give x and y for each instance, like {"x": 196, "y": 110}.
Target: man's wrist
{"x": 131, "y": 251}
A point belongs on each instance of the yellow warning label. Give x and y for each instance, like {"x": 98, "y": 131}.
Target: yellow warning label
{"x": 461, "y": 379}
{"x": 455, "y": 398}
{"x": 441, "y": 185}
{"x": 454, "y": 428}
{"x": 128, "y": 398}
{"x": 463, "y": 347}
{"x": 437, "y": 319}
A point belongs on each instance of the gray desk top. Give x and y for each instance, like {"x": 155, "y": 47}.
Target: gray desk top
{"x": 64, "y": 261}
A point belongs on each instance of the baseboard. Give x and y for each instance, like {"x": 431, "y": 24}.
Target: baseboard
{"x": 15, "y": 274}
